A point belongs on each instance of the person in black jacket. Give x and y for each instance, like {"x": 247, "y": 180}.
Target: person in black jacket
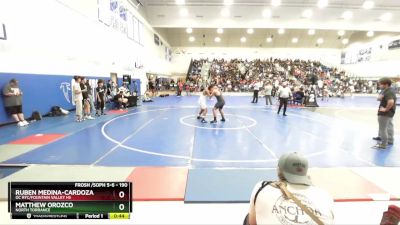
{"x": 86, "y": 100}
{"x": 100, "y": 98}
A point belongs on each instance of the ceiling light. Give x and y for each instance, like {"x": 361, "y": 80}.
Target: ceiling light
{"x": 323, "y": 4}
{"x": 267, "y": 13}
{"x": 189, "y": 30}
{"x": 281, "y": 31}
{"x": 250, "y": 31}
{"x": 243, "y": 39}
{"x": 308, "y": 13}
{"x": 295, "y": 40}
{"x": 220, "y": 30}
{"x": 228, "y": 2}
{"x": 368, "y": 4}
{"x": 269, "y": 40}
{"x": 275, "y": 3}
{"x": 311, "y": 32}
{"x": 345, "y": 41}
{"x": 217, "y": 39}
{"x": 347, "y": 15}
{"x": 180, "y": 2}
{"x": 225, "y": 12}
{"x": 386, "y": 17}
{"x": 320, "y": 41}
{"x": 192, "y": 39}
{"x": 370, "y": 33}
{"x": 183, "y": 12}
{"x": 341, "y": 32}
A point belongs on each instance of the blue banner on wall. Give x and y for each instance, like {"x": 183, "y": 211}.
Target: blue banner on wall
{"x": 41, "y": 92}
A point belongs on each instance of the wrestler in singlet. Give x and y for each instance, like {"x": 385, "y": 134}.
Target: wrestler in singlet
{"x": 220, "y": 103}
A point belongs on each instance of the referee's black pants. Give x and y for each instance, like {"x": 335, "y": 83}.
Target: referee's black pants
{"x": 283, "y": 102}
{"x": 255, "y": 96}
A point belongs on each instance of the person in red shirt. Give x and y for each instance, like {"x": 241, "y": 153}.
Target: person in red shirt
{"x": 180, "y": 88}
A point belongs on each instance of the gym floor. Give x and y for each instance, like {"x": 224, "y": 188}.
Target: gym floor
{"x": 171, "y": 156}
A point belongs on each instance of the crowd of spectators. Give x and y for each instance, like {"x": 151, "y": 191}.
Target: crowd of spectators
{"x": 89, "y": 99}
{"x": 238, "y": 75}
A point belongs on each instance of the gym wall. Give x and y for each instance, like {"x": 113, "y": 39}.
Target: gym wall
{"x": 48, "y": 42}
{"x": 383, "y": 62}
{"x": 41, "y": 92}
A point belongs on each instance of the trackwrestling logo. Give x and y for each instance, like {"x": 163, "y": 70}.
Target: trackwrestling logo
{"x": 66, "y": 88}
{"x": 289, "y": 213}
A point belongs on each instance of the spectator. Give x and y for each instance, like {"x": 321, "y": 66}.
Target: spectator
{"x": 86, "y": 100}
{"x": 109, "y": 87}
{"x": 187, "y": 88}
{"x": 78, "y": 98}
{"x": 91, "y": 97}
{"x": 180, "y": 88}
{"x": 391, "y": 216}
{"x": 325, "y": 94}
{"x": 239, "y": 75}
{"x": 291, "y": 200}
{"x": 12, "y": 96}
{"x": 152, "y": 88}
{"x": 112, "y": 89}
{"x": 121, "y": 100}
{"x": 320, "y": 86}
{"x": 146, "y": 97}
{"x": 100, "y": 98}
{"x": 256, "y": 89}
{"x": 125, "y": 90}
{"x": 172, "y": 85}
{"x": 300, "y": 97}
{"x": 387, "y": 109}
{"x": 268, "y": 93}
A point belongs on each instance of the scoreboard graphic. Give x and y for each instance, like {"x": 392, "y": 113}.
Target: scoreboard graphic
{"x": 70, "y": 200}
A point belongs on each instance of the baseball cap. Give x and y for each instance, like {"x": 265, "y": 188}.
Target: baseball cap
{"x": 294, "y": 168}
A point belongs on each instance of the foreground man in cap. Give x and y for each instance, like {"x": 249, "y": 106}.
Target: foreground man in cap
{"x": 291, "y": 200}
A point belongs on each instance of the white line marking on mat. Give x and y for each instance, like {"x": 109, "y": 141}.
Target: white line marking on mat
{"x": 261, "y": 142}
{"x": 123, "y": 141}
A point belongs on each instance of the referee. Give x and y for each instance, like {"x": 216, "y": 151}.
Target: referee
{"x": 284, "y": 93}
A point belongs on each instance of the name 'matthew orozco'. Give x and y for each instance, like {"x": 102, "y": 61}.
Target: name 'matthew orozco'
{"x": 61, "y": 205}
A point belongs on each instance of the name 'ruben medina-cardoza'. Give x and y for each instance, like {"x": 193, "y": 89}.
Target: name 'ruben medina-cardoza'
{"x": 54, "y": 192}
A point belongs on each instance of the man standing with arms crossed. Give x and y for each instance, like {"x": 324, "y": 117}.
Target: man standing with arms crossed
{"x": 387, "y": 109}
